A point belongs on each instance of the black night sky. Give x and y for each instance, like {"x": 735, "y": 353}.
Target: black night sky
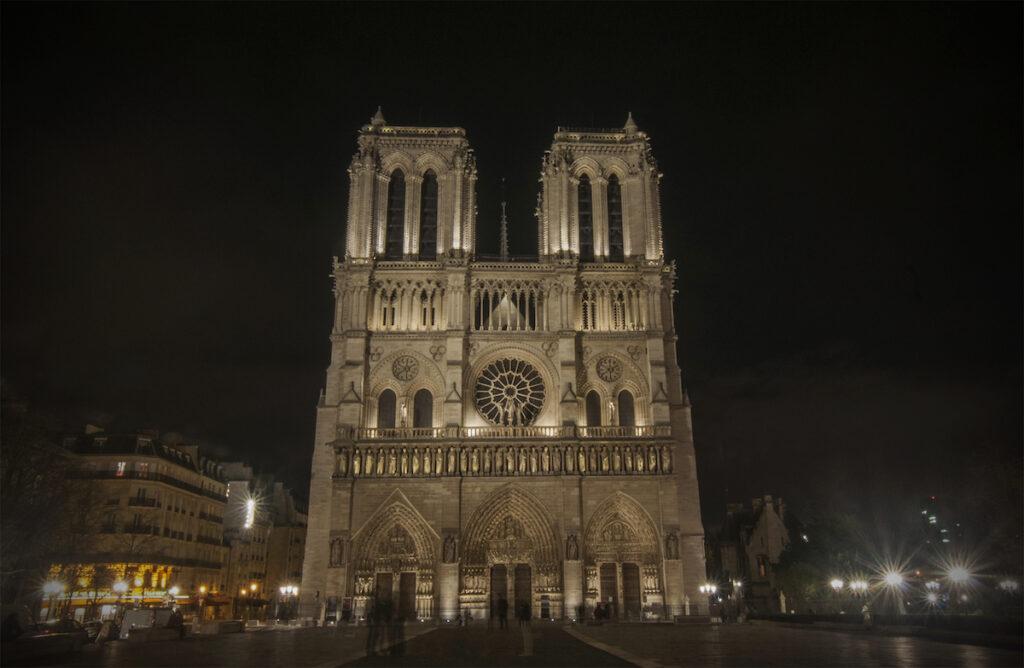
{"x": 842, "y": 194}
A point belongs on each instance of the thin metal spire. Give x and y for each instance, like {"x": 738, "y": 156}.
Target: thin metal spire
{"x": 503, "y": 236}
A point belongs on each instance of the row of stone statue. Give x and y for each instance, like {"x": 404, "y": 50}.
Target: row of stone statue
{"x": 503, "y": 460}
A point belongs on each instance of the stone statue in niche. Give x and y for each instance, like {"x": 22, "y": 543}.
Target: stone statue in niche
{"x": 357, "y": 463}
{"x": 369, "y": 462}
{"x": 343, "y": 463}
{"x": 604, "y": 459}
{"x": 451, "y": 461}
{"x": 449, "y": 549}
{"x": 533, "y": 460}
{"x": 671, "y": 546}
{"x": 405, "y": 462}
{"x": 392, "y": 462}
{"x": 510, "y": 461}
{"x": 439, "y": 462}
{"x": 627, "y": 460}
{"x": 666, "y": 459}
{"x": 616, "y": 459}
{"x": 381, "y": 462}
{"x": 337, "y": 552}
{"x": 583, "y": 461}
{"x": 640, "y": 461}
{"x": 572, "y": 548}
{"x": 487, "y": 460}
{"x": 545, "y": 460}
{"x": 652, "y": 460}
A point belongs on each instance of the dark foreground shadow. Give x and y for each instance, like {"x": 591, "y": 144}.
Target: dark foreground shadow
{"x": 479, "y": 646}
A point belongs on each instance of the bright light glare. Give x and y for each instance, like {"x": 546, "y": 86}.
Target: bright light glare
{"x": 959, "y": 575}
{"x": 893, "y": 579}
{"x": 837, "y": 584}
{"x": 1009, "y": 585}
{"x": 250, "y": 512}
{"x": 173, "y": 591}
{"x": 859, "y": 585}
{"x": 120, "y": 587}
{"x": 932, "y": 597}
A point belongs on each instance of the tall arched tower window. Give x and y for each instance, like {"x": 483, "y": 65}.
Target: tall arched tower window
{"x": 593, "y": 409}
{"x": 586, "y": 218}
{"x": 386, "y": 405}
{"x": 428, "y": 217}
{"x": 394, "y": 232}
{"x": 615, "y": 247}
{"x": 627, "y": 417}
{"x": 423, "y": 410}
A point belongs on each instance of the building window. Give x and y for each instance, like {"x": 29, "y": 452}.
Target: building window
{"x": 586, "y": 218}
{"x": 619, "y": 310}
{"x": 386, "y": 410}
{"x": 593, "y": 409}
{"x": 627, "y": 418}
{"x": 423, "y": 410}
{"x": 394, "y": 232}
{"x": 588, "y": 305}
{"x": 120, "y": 468}
{"x": 615, "y": 248}
{"x": 428, "y": 217}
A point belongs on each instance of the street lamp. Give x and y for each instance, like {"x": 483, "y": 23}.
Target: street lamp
{"x": 859, "y": 586}
{"x": 53, "y": 588}
{"x": 958, "y": 575}
{"x": 837, "y": 585}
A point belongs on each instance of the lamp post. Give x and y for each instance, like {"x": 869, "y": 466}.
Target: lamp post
{"x": 53, "y": 588}
{"x": 709, "y": 590}
{"x": 287, "y": 593}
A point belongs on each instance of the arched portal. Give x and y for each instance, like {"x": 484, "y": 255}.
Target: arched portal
{"x": 622, "y": 559}
{"x": 510, "y": 549}
{"x": 394, "y": 557}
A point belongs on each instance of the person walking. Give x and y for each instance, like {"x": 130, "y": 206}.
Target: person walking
{"x": 524, "y": 626}
{"x": 372, "y": 629}
{"x": 503, "y": 613}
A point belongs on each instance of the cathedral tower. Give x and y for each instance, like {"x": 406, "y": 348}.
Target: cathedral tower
{"x": 503, "y": 429}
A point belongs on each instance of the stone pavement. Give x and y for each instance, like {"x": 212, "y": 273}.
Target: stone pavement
{"x": 477, "y": 645}
{"x": 656, "y": 645}
{"x": 645, "y": 645}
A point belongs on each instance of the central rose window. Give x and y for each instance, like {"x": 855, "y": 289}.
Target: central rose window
{"x": 509, "y": 392}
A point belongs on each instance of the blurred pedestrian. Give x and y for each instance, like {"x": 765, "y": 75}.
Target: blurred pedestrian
{"x": 524, "y": 615}
{"x": 503, "y": 613}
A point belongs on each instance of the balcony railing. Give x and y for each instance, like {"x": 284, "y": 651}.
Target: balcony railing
{"x": 210, "y": 517}
{"x": 141, "y": 501}
{"x": 494, "y": 432}
{"x": 151, "y": 477}
{"x": 206, "y": 540}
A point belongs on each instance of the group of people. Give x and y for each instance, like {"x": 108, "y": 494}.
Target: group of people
{"x": 386, "y": 629}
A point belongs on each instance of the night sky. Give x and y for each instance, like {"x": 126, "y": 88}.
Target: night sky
{"x": 842, "y": 195}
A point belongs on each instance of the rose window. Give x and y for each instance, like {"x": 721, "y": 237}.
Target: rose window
{"x": 405, "y": 367}
{"x": 609, "y": 369}
{"x": 510, "y": 392}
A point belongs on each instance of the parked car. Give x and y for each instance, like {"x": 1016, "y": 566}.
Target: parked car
{"x": 93, "y": 629}
{"x": 52, "y": 638}
{"x": 141, "y": 618}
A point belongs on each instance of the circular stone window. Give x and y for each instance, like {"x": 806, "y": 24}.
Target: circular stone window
{"x": 609, "y": 369}
{"x": 405, "y": 367}
{"x": 509, "y": 392}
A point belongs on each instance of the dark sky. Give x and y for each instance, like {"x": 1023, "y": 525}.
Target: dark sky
{"x": 842, "y": 195}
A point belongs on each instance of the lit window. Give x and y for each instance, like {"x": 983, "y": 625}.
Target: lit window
{"x": 121, "y": 467}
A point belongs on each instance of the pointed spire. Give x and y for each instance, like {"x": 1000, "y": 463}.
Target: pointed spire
{"x": 686, "y": 398}
{"x": 503, "y": 236}
{"x": 630, "y": 127}
{"x": 378, "y": 119}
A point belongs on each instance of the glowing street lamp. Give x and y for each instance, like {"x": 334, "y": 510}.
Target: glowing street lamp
{"x": 837, "y": 585}
{"x": 53, "y": 588}
{"x": 859, "y": 586}
{"x": 958, "y": 575}
{"x": 893, "y": 579}
{"x": 1009, "y": 586}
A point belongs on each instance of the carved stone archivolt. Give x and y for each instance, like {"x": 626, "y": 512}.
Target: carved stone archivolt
{"x": 621, "y": 531}
{"x": 395, "y": 539}
{"x": 511, "y": 527}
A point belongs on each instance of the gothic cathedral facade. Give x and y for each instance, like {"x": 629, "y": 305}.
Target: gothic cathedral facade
{"x": 503, "y": 429}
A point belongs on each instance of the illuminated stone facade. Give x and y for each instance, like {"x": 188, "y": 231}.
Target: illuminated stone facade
{"x": 500, "y": 428}
{"x": 150, "y": 515}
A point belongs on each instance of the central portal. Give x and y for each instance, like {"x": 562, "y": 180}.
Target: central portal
{"x": 524, "y": 590}
{"x": 499, "y": 586}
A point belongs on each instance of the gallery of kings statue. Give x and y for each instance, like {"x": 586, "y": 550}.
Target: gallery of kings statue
{"x": 498, "y": 428}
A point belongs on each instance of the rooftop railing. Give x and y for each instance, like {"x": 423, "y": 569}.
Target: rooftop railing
{"x": 498, "y": 433}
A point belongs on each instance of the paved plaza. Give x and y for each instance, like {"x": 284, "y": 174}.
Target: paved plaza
{"x": 648, "y": 646}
